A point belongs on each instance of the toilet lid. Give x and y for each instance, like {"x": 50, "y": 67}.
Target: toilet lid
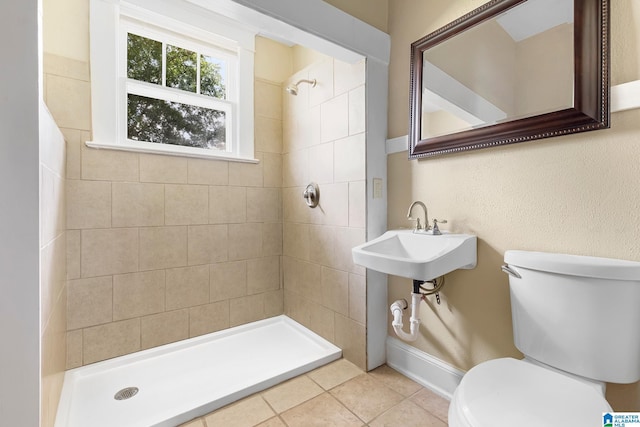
{"x": 508, "y": 392}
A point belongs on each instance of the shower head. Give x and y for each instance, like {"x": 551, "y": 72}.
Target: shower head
{"x": 293, "y": 89}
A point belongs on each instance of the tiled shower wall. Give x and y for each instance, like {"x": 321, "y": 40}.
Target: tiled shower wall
{"x": 164, "y": 248}
{"x": 53, "y": 290}
{"x": 324, "y": 142}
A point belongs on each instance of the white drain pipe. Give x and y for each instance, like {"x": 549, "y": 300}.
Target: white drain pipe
{"x": 396, "y": 310}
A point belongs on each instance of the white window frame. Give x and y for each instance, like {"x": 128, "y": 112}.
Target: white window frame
{"x": 186, "y": 25}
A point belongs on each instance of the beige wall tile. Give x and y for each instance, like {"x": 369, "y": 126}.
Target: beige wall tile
{"x": 52, "y": 197}
{"x": 110, "y": 340}
{"x": 109, "y": 251}
{"x": 357, "y": 111}
{"x": 335, "y": 290}
{"x": 263, "y": 274}
{"x": 54, "y": 338}
{"x": 208, "y": 172}
{"x": 52, "y": 206}
{"x": 348, "y": 76}
{"x": 323, "y": 73}
{"x": 358, "y": 204}
{"x": 186, "y": 204}
{"x": 296, "y": 240}
{"x": 109, "y": 165}
{"x": 321, "y": 244}
{"x": 295, "y": 168}
{"x": 295, "y": 306}
{"x": 268, "y": 99}
{"x": 247, "y": 309}
{"x": 358, "y": 298}
{"x": 347, "y": 238}
{"x": 350, "y": 159}
{"x": 88, "y": 204}
{"x": 69, "y": 101}
{"x": 264, "y": 204}
{"x": 52, "y": 277}
{"x": 272, "y": 239}
{"x": 227, "y": 204}
{"x": 208, "y": 318}
{"x": 314, "y": 124}
{"x": 335, "y": 118}
{"x": 273, "y": 303}
{"x": 137, "y": 204}
{"x": 245, "y": 241}
{"x": 321, "y": 320}
{"x": 74, "y": 142}
{"x": 294, "y": 207}
{"x": 246, "y": 174}
{"x": 67, "y": 67}
{"x": 351, "y": 338}
{"x": 207, "y": 244}
{"x": 228, "y": 280}
{"x": 218, "y": 204}
{"x": 272, "y": 169}
{"x": 321, "y": 163}
{"x": 237, "y": 205}
{"x": 334, "y": 200}
{"x": 164, "y": 328}
{"x": 90, "y": 302}
{"x": 268, "y": 135}
{"x": 138, "y": 294}
{"x": 167, "y": 169}
{"x": 73, "y": 254}
{"x": 163, "y": 247}
{"x": 187, "y": 287}
{"x": 74, "y": 349}
{"x": 303, "y": 278}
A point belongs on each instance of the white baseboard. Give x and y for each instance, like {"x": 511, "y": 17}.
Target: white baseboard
{"x": 423, "y": 368}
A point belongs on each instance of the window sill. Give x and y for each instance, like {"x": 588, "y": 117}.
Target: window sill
{"x": 170, "y": 150}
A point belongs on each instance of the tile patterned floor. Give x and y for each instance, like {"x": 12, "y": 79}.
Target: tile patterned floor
{"x": 336, "y": 395}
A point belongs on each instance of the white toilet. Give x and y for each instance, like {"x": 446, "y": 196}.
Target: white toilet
{"x": 577, "y": 321}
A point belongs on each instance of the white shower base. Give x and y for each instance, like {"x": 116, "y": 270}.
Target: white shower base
{"x": 187, "y": 379}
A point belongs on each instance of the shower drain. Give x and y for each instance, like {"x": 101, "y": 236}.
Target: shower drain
{"x": 126, "y": 393}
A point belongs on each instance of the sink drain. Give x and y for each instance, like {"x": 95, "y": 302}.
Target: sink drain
{"x": 126, "y": 393}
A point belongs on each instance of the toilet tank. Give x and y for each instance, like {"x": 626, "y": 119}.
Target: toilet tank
{"x": 576, "y": 313}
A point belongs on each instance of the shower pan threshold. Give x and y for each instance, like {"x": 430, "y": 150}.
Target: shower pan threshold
{"x": 180, "y": 381}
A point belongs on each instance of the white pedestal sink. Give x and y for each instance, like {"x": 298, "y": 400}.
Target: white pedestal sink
{"x": 419, "y": 256}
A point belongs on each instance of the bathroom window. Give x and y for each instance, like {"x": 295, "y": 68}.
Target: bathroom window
{"x": 165, "y": 83}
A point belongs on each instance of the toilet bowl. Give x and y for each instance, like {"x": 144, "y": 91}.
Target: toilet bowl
{"x": 508, "y": 392}
{"x": 567, "y": 310}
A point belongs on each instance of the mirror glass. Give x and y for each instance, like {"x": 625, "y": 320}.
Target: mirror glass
{"x": 509, "y": 66}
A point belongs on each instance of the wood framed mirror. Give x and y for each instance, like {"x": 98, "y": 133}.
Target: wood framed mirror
{"x": 510, "y": 71}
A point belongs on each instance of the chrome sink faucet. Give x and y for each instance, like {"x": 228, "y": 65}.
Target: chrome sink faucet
{"x": 419, "y": 226}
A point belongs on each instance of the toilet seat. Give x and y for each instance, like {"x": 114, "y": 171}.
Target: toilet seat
{"x": 508, "y": 392}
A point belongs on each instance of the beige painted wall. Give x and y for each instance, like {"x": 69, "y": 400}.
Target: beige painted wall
{"x": 574, "y": 194}
{"x": 373, "y": 12}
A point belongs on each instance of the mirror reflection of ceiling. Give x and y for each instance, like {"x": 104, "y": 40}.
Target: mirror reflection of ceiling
{"x": 535, "y": 17}
{"x": 519, "y": 64}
